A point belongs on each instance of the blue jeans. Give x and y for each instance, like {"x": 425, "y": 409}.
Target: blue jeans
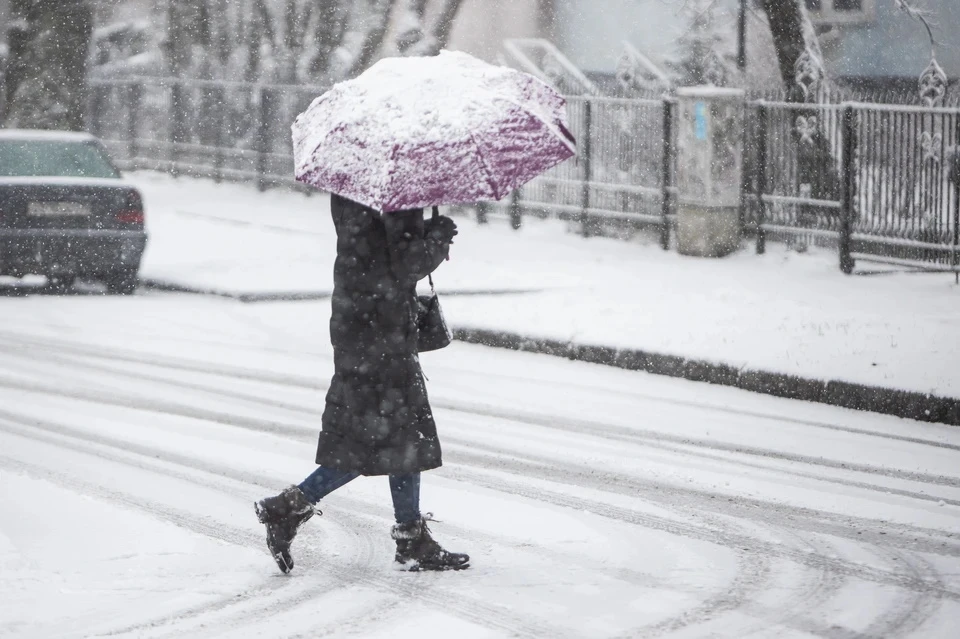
{"x": 405, "y": 490}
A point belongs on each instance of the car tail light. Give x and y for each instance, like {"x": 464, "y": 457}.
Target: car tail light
{"x": 132, "y": 212}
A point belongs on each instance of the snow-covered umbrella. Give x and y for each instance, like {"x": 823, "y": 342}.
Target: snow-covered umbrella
{"x": 446, "y": 129}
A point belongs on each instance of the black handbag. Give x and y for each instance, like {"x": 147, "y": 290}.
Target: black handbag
{"x": 433, "y": 332}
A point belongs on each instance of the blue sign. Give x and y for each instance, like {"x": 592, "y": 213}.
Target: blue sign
{"x": 700, "y": 120}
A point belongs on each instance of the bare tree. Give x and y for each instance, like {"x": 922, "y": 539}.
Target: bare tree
{"x": 49, "y": 52}
{"x": 798, "y": 50}
{"x": 413, "y": 36}
{"x": 375, "y": 24}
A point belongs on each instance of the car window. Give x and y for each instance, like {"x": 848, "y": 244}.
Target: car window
{"x": 28, "y": 158}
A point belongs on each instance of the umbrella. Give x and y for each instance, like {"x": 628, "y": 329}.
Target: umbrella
{"x": 414, "y": 132}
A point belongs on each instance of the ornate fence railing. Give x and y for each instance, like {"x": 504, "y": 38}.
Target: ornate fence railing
{"x": 880, "y": 182}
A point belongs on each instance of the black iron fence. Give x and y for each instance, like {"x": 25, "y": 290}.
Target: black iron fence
{"x": 221, "y": 130}
{"x": 880, "y": 182}
{"x": 623, "y": 172}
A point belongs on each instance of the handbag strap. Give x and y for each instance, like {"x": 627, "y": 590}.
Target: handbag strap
{"x": 436, "y": 214}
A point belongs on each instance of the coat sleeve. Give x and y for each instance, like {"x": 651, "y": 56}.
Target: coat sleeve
{"x": 413, "y": 254}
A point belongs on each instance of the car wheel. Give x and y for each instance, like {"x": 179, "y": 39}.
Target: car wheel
{"x": 122, "y": 282}
{"x": 61, "y": 283}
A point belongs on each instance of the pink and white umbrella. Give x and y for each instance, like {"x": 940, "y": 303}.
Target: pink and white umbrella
{"x": 414, "y": 132}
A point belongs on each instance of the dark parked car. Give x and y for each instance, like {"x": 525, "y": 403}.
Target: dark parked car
{"x": 65, "y": 211}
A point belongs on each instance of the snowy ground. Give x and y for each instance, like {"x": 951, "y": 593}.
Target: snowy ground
{"x": 781, "y": 312}
{"x": 136, "y": 432}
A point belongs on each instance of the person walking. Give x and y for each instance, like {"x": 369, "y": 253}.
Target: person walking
{"x": 377, "y": 419}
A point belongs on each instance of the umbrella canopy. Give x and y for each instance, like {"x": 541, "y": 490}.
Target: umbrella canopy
{"x": 446, "y": 129}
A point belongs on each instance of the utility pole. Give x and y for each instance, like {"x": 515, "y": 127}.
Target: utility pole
{"x": 742, "y": 37}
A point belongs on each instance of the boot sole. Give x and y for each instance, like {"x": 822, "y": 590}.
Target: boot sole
{"x": 277, "y": 557}
{"x": 428, "y": 568}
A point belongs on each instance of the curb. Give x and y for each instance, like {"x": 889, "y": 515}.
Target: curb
{"x": 887, "y": 401}
{"x": 172, "y": 287}
{"x": 301, "y": 296}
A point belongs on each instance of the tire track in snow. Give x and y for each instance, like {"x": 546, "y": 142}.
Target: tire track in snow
{"x": 719, "y": 537}
{"x": 750, "y": 567}
{"x": 300, "y": 434}
{"x": 195, "y": 523}
{"x": 307, "y": 433}
{"x": 86, "y": 366}
{"x": 578, "y": 426}
{"x": 720, "y": 603}
{"x": 489, "y": 616}
{"x": 881, "y": 635}
{"x": 312, "y": 411}
{"x": 503, "y": 459}
{"x": 696, "y": 501}
{"x": 912, "y": 610}
{"x": 58, "y": 428}
{"x": 320, "y": 384}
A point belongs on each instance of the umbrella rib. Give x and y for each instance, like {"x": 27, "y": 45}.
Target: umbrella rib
{"x": 552, "y": 126}
{"x": 485, "y": 165}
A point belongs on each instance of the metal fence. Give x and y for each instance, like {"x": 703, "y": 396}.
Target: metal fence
{"x": 221, "y": 130}
{"x": 880, "y": 182}
{"x": 624, "y": 170}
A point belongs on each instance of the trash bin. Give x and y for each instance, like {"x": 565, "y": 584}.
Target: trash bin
{"x": 709, "y": 168}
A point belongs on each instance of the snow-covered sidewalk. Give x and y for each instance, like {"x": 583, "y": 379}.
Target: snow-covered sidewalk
{"x": 781, "y": 312}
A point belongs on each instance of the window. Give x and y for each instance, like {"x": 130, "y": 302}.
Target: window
{"x": 841, "y": 11}
{"x": 53, "y": 158}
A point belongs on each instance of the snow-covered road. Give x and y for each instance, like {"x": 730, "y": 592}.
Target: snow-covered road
{"x": 136, "y": 432}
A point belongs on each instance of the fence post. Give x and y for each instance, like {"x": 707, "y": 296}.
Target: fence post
{"x": 846, "y": 204}
{"x": 482, "y": 210}
{"x": 177, "y": 132}
{"x": 955, "y": 259}
{"x": 263, "y": 138}
{"x": 516, "y": 212}
{"x": 665, "y": 175}
{"x": 762, "y": 119}
{"x": 585, "y": 222}
{"x": 219, "y": 139}
{"x": 97, "y": 102}
{"x": 134, "y": 100}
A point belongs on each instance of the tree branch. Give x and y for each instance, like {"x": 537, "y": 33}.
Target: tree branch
{"x": 379, "y": 11}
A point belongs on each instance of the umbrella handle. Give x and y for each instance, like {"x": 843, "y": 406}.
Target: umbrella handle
{"x": 436, "y": 214}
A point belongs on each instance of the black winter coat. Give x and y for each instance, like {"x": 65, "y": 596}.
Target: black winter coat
{"x": 377, "y": 419}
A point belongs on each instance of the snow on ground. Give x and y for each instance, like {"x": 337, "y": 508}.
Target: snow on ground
{"x": 136, "y": 432}
{"x": 781, "y": 312}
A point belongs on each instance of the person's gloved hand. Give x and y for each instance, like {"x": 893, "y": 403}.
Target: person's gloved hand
{"x": 441, "y": 228}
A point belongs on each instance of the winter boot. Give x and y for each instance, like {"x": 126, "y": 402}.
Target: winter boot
{"x": 417, "y": 550}
{"x": 283, "y": 515}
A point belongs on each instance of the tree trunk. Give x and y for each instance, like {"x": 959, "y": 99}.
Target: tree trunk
{"x": 330, "y": 27}
{"x": 410, "y": 29}
{"x": 443, "y": 27}
{"x": 50, "y": 63}
{"x": 379, "y": 14}
{"x": 801, "y": 69}
{"x": 792, "y": 34}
